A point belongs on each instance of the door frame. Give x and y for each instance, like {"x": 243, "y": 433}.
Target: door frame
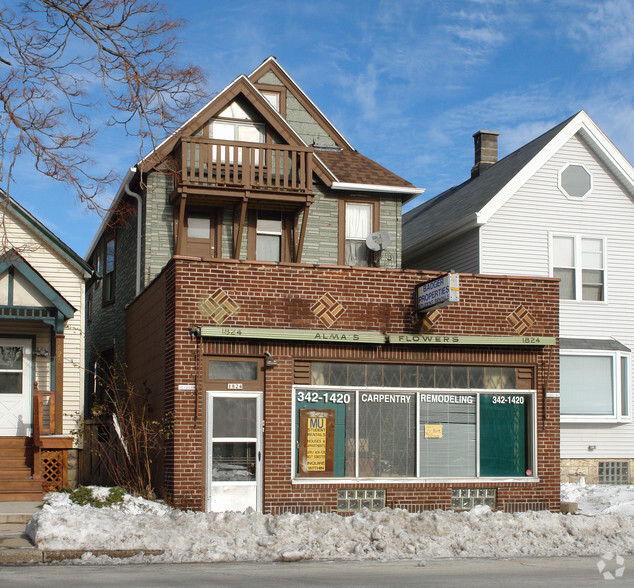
{"x": 28, "y": 376}
{"x": 259, "y": 449}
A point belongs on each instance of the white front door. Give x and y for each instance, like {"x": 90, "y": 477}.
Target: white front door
{"x": 234, "y": 451}
{"x": 16, "y": 389}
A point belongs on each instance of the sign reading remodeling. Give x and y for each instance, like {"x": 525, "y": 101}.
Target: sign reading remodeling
{"x": 448, "y": 398}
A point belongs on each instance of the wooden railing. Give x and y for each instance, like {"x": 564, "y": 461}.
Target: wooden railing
{"x": 43, "y": 424}
{"x": 249, "y": 166}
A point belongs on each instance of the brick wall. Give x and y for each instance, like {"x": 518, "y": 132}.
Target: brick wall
{"x": 281, "y": 296}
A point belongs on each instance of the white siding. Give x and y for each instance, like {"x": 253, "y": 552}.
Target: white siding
{"x": 515, "y": 241}
{"x": 460, "y": 254}
{"x": 68, "y": 281}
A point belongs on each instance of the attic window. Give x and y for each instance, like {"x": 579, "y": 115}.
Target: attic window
{"x": 575, "y": 181}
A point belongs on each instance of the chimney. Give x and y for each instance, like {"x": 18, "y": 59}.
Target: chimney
{"x": 486, "y": 151}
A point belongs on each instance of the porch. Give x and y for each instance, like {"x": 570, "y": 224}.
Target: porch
{"x": 32, "y": 465}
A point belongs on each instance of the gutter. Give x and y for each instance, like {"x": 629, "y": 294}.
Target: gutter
{"x": 349, "y": 186}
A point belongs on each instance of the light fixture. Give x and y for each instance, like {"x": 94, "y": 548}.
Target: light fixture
{"x": 268, "y": 360}
{"x": 42, "y": 352}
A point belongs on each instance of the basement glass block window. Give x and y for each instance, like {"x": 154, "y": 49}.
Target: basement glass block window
{"x": 614, "y": 472}
{"x": 467, "y": 498}
{"x": 356, "y": 499}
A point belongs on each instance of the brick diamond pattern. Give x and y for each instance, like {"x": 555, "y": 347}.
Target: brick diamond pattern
{"x": 219, "y": 306}
{"x": 328, "y": 309}
{"x": 430, "y": 319}
{"x": 521, "y": 320}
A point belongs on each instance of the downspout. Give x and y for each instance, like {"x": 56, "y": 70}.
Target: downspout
{"x": 137, "y": 197}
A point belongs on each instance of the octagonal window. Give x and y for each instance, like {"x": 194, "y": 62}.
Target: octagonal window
{"x": 575, "y": 181}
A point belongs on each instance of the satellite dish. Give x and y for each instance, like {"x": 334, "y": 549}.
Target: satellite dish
{"x": 378, "y": 241}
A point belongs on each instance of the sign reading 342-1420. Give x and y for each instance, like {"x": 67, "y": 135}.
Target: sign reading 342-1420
{"x": 437, "y": 293}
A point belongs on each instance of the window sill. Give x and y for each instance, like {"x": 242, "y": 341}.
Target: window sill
{"x": 357, "y": 481}
{"x": 589, "y": 419}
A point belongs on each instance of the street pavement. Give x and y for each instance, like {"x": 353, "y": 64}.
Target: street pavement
{"x": 474, "y": 573}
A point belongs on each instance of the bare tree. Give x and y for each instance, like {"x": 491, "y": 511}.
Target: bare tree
{"x": 56, "y": 56}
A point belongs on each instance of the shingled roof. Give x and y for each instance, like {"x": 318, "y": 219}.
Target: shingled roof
{"x": 352, "y": 167}
{"x": 456, "y": 206}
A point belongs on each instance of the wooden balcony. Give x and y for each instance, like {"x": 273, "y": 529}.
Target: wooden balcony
{"x": 208, "y": 164}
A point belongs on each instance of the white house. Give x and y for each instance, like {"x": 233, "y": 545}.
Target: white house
{"x": 561, "y": 205}
{"x": 42, "y": 284}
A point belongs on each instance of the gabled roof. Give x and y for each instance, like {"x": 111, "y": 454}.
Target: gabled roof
{"x": 12, "y": 258}
{"x": 352, "y": 170}
{"x": 474, "y": 202}
{"x": 45, "y": 234}
{"x": 270, "y": 64}
{"x": 363, "y": 174}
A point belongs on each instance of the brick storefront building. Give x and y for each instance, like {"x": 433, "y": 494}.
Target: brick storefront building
{"x": 470, "y": 417}
{"x": 254, "y": 286}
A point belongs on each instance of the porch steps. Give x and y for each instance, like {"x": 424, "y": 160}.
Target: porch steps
{"x": 16, "y": 470}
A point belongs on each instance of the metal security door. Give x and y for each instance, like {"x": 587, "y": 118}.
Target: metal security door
{"x": 234, "y": 454}
{"x": 16, "y": 391}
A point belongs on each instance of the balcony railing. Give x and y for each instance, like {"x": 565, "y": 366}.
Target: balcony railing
{"x": 246, "y": 166}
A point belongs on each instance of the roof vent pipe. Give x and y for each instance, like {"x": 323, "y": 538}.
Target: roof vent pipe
{"x": 486, "y": 151}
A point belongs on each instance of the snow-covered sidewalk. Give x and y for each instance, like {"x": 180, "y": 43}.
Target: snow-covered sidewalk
{"x": 606, "y": 524}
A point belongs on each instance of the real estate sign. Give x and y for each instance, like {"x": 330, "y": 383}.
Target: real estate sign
{"x": 437, "y": 293}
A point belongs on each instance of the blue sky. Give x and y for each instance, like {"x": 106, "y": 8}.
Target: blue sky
{"x": 407, "y": 82}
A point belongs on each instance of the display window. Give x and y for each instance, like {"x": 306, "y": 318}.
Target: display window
{"x": 455, "y": 433}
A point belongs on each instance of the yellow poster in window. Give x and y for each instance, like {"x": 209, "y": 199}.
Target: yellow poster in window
{"x": 316, "y": 444}
{"x": 433, "y": 431}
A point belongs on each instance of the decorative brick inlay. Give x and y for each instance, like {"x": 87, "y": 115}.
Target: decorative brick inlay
{"x": 430, "y": 319}
{"x": 521, "y": 320}
{"x": 219, "y": 306}
{"x": 327, "y": 309}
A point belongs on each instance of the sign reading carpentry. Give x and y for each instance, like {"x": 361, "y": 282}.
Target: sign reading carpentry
{"x": 437, "y": 293}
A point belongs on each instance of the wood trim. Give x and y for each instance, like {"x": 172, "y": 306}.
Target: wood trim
{"x": 376, "y": 221}
{"x": 298, "y": 94}
{"x": 281, "y": 90}
{"x": 59, "y": 384}
{"x": 180, "y": 228}
{"x": 302, "y": 235}
{"x": 239, "y": 229}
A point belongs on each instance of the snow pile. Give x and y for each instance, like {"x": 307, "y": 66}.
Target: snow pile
{"x": 386, "y": 535}
{"x": 596, "y": 499}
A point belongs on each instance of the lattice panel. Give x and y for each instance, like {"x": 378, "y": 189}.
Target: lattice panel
{"x": 52, "y": 470}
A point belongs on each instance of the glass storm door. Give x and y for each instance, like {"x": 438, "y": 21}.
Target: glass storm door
{"x": 16, "y": 390}
{"x": 234, "y": 455}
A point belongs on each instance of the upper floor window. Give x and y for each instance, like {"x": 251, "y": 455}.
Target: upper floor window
{"x": 109, "y": 270}
{"x": 575, "y": 181}
{"x": 595, "y": 386}
{"x": 268, "y": 244}
{"x": 358, "y": 225}
{"x": 579, "y": 262}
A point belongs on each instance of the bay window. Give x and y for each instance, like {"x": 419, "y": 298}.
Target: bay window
{"x": 595, "y": 386}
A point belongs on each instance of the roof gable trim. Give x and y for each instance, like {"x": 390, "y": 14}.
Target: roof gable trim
{"x": 580, "y": 122}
